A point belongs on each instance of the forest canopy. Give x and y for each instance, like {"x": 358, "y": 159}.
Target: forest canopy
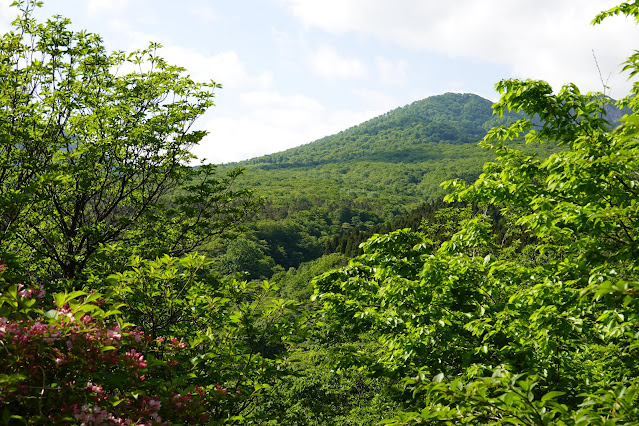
{"x": 536, "y": 329}
{"x": 515, "y": 304}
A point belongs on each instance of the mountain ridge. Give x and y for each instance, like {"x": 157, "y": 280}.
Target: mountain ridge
{"x": 454, "y": 118}
{"x": 386, "y": 165}
{"x": 356, "y": 179}
{"x": 396, "y": 160}
{"x": 447, "y": 118}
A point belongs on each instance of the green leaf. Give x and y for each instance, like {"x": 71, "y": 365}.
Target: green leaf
{"x": 551, "y": 395}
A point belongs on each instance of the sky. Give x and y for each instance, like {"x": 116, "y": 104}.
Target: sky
{"x": 294, "y": 71}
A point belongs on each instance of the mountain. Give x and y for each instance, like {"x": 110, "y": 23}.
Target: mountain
{"x": 364, "y": 176}
{"x": 386, "y": 165}
{"x": 399, "y": 135}
{"x": 358, "y": 179}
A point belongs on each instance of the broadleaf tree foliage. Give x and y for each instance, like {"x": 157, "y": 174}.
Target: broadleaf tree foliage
{"x": 493, "y": 334}
{"x": 457, "y": 324}
{"x": 100, "y": 208}
{"x": 94, "y": 146}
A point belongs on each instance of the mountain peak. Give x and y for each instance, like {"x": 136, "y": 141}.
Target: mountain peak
{"x": 450, "y": 118}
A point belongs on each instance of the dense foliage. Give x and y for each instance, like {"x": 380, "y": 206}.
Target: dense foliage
{"x": 68, "y": 360}
{"x": 322, "y": 196}
{"x": 516, "y": 303}
{"x": 107, "y": 315}
{"x": 386, "y": 161}
{"x": 91, "y": 158}
{"x": 492, "y": 335}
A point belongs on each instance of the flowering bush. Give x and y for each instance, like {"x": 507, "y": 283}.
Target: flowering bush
{"x": 75, "y": 363}
{"x": 67, "y": 358}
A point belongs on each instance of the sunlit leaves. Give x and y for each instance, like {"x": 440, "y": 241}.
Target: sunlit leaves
{"x": 544, "y": 336}
{"x": 95, "y": 146}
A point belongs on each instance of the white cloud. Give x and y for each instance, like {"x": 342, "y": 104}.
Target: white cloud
{"x": 377, "y": 100}
{"x": 327, "y": 63}
{"x": 273, "y": 99}
{"x": 225, "y": 67}
{"x": 7, "y": 15}
{"x": 203, "y": 12}
{"x": 281, "y": 37}
{"x": 289, "y": 44}
{"x": 334, "y": 16}
{"x": 392, "y": 73}
{"x": 95, "y": 7}
{"x": 544, "y": 39}
{"x": 272, "y": 122}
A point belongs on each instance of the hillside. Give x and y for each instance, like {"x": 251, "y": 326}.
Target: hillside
{"x": 364, "y": 176}
{"x": 387, "y": 165}
{"x": 323, "y": 195}
{"x": 399, "y": 135}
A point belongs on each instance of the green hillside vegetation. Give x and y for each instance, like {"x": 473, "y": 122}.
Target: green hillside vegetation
{"x": 398, "y": 135}
{"x": 392, "y": 160}
{"x": 514, "y": 300}
{"x": 361, "y": 178}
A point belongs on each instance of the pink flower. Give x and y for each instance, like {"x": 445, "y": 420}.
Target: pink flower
{"x": 154, "y": 405}
{"x": 3, "y": 327}
{"x": 116, "y": 333}
{"x": 94, "y": 388}
{"x": 28, "y": 293}
{"x": 175, "y": 343}
{"x": 38, "y": 329}
{"x": 220, "y": 389}
{"x": 136, "y": 358}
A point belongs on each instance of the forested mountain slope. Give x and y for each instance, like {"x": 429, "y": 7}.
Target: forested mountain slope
{"x": 398, "y": 135}
{"x": 365, "y": 175}
{"x": 393, "y": 161}
{"x": 330, "y": 189}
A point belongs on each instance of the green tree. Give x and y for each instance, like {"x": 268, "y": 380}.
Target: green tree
{"x": 69, "y": 359}
{"x": 96, "y": 188}
{"x": 92, "y": 158}
{"x": 488, "y": 337}
{"x": 247, "y": 256}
